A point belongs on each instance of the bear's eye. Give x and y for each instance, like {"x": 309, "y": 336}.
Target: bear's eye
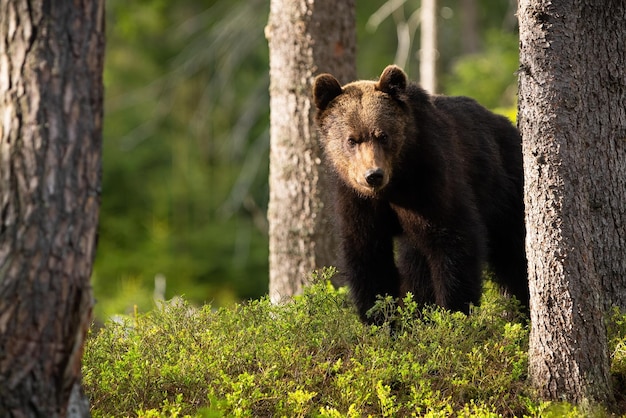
{"x": 382, "y": 137}
{"x": 352, "y": 141}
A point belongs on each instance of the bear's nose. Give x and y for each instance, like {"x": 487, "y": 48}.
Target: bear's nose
{"x": 374, "y": 177}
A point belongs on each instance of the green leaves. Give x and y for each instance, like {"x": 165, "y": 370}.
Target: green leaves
{"x": 310, "y": 357}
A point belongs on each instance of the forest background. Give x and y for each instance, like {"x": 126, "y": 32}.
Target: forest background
{"x": 186, "y": 133}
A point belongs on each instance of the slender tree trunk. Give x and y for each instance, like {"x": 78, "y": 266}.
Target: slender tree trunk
{"x": 51, "y": 56}
{"x": 428, "y": 46}
{"x": 306, "y": 37}
{"x": 470, "y": 39}
{"x": 572, "y": 98}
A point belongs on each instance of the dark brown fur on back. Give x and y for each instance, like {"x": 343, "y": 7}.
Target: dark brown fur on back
{"x": 441, "y": 175}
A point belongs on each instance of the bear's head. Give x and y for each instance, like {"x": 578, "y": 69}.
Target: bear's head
{"x": 363, "y": 127}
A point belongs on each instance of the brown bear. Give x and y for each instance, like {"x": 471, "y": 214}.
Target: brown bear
{"x": 428, "y": 189}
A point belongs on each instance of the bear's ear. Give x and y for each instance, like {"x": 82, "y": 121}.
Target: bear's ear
{"x": 325, "y": 89}
{"x": 392, "y": 81}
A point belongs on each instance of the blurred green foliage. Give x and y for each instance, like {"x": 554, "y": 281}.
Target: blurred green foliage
{"x": 487, "y": 76}
{"x": 186, "y": 137}
{"x": 185, "y": 151}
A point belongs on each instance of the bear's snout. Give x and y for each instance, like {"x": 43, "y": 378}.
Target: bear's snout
{"x": 374, "y": 177}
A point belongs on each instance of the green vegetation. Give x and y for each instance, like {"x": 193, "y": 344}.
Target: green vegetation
{"x": 184, "y": 196}
{"x": 313, "y": 357}
{"x": 185, "y": 153}
{"x": 487, "y": 76}
{"x": 185, "y": 172}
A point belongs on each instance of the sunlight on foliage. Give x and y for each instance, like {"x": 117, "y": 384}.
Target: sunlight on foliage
{"x": 310, "y": 357}
{"x": 313, "y": 357}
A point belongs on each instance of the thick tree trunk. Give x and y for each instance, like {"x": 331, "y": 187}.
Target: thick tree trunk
{"x": 428, "y": 46}
{"x": 305, "y": 38}
{"x": 572, "y": 98}
{"x": 51, "y": 57}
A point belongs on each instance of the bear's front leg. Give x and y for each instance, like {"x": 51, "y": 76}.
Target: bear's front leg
{"x": 415, "y": 273}
{"x": 441, "y": 255}
{"x": 367, "y": 228}
{"x": 455, "y": 259}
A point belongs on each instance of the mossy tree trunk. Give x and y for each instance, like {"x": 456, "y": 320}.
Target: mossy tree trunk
{"x": 51, "y": 57}
{"x": 306, "y": 37}
{"x": 572, "y": 96}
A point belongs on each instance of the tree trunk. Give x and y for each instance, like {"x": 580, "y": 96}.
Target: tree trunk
{"x": 51, "y": 57}
{"x": 306, "y": 38}
{"x": 470, "y": 37}
{"x": 572, "y": 96}
{"x": 428, "y": 46}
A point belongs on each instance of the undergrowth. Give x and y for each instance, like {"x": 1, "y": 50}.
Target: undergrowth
{"x": 312, "y": 357}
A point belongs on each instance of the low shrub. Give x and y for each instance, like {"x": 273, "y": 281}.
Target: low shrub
{"x": 312, "y": 357}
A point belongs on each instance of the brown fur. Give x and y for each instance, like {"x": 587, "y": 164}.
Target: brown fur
{"x": 374, "y": 122}
{"x": 440, "y": 175}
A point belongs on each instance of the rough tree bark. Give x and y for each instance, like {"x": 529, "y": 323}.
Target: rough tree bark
{"x": 572, "y": 101}
{"x": 306, "y": 37}
{"x": 51, "y": 57}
